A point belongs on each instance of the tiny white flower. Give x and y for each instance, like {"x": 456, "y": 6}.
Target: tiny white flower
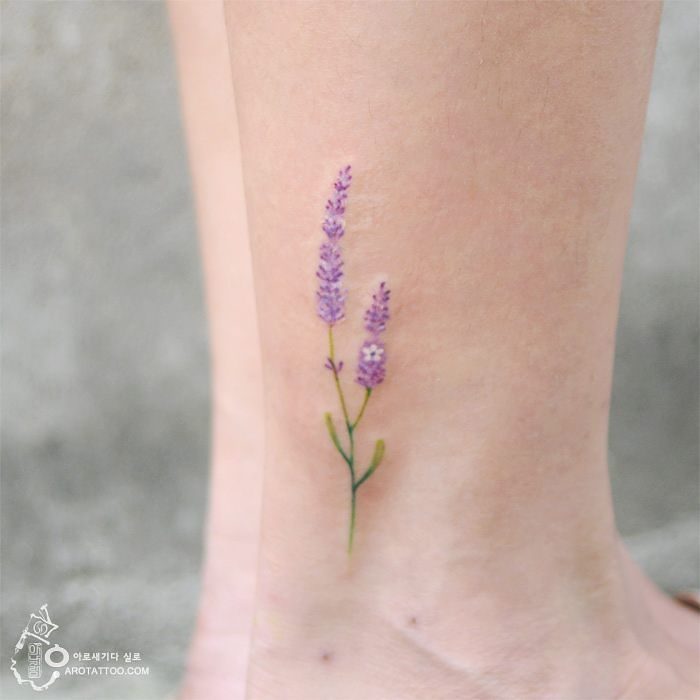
{"x": 372, "y": 353}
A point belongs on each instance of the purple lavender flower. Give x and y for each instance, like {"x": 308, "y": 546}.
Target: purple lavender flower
{"x": 333, "y": 223}
{"x": 331, "y": 295}
{"x": 371, "y": 366}
{"x": 378, "y": 313}
{"x": 333, "y": 365}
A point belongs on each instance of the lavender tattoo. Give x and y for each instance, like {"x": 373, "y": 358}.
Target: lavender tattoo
{"x": 371, "y": 364}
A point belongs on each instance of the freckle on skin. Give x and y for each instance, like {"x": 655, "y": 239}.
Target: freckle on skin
{"x": 327, "y": 657}
{"x": 413, "y": 621}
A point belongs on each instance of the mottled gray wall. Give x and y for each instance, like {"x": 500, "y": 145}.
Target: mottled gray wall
{"x": 105, "y": 370}
{"x": 655, "y": 418}
{"x": 105, "y": 366}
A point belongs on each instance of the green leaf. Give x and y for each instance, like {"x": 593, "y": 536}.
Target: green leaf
{"x": 334, "y": 435}
{"x": 376, "y": 460}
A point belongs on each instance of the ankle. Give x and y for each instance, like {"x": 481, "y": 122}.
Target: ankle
{"x": 354, "y": 648}
{"x": 370, "y": 625}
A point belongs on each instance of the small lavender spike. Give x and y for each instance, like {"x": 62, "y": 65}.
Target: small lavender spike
{"x": 378, "y": 313}
{"x": 371, "y": 365}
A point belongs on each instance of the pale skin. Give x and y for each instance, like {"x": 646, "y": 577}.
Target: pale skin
{"x": 218, "y": 658}
{"x": 494, "y": 148}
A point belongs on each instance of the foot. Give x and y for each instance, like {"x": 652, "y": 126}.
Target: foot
{"x": 670, "y": 626}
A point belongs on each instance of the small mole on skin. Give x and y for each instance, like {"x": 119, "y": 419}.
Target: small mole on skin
{"x": 327, "y": 657}
{"x": 413, "y": 621}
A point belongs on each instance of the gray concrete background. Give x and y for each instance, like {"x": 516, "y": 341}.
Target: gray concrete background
{"x": 105, "y": 412}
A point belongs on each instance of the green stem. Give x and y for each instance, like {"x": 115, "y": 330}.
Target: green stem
{"x": 368, "y": 393}
{"x": 341, "y": 396}
{"x": 376, "y": 461}
{"x": 351, "y": 534}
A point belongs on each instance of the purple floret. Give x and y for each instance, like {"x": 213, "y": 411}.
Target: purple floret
{"x": 330, "y": 295}
{"x": 371, "y": 365}
{"x": 378, "y": 313}
{"x": 333, "y": 223}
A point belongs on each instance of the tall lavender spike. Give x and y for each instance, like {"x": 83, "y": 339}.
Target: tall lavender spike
{"x": 371, "y": 366}
{"x": 331, "y": 295}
